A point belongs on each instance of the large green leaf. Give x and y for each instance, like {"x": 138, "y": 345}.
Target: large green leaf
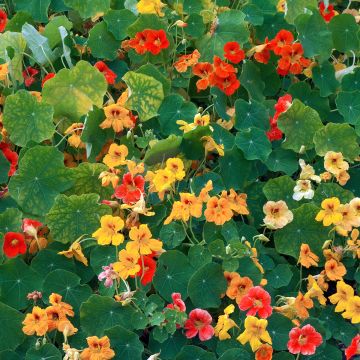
{"x": 206, "y": 286}
{"x": 348, "y": 104}
{"x": 328, "y": 190}
{"x": 282, "y": 160}
{"x": 251, "y": 80}
{"x": 40, "y": 178}
{"x": 331, "y": 138}
{"x": 324, "y": 78}
{"x": 27, "y": 120}
{"x": 253, "y": 114}
{"x": 16, "y": 281}
{"x": 281, "y": 188}
{"x": 73, "y": 216}
{"x": 16, "y": 42}
{"x": 279, "y": 277}
{"x": 74, "y": 92}
{"x": 298, "y": 7}
{"x": 304, "y": 229}
{"x": 163, "y": 150}
{"x": 52, "y": 32}
{"x": 172, "y": 235}
{"x": 12, "y": 318}
{"x": 279, "y": 328}
{"x": 88, "y": 8}
{"x": 118, "y": 21}
{"x": 4, "y": 169}
{"x": 194, "y": 352}
{"x": 10, "y": 220}
{"x": 37, "y": 8}
{"x": 299, "y": 124}
{"x": 146, "y": 94}
{"x": 47, "y": 351}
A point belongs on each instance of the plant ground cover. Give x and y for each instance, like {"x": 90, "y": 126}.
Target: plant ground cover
{"x": 179, "y": 179}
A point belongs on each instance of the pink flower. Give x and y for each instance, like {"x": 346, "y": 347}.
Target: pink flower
{"x": 30, "y": 227}
{"x": 257, "y": 301}
{"x": 304, "y": 340}
{"x": 178, "y": 303}
{"x": 199, "y": 322}
{"x": 109, "y": 275}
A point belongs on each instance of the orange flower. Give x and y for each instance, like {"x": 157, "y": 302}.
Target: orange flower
{"x": 237, "y": 201}
{"x": 203, "y": 70}
{"x": 99, "y": 349}
{"x": 354, "y": 243}
{"x": 184, "y": 61}
{"x": 117, "y": 117}
{"x": 116, "y": 155}
{"x": 218, "y": 211}
{"x": 349, "y": 220}
{"x": 36, "y": 322}
{"x": 75, "y": 131}
{"x": 334, "y": 162}
{"x": 277, "y": 214}
{"x": 264, "y": 352}
{"x": 66, "y": 309}
{"x": 204, "y": 193}
{"x": 301, "y": 304}
{"x": 307, "y": 258}
{"x": 334, "y": 270}
{"x": 54, "y": 317}
{"x": 142, "y": 240}
{"x": 238, "y": 287}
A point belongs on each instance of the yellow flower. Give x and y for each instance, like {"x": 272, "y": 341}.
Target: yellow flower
{"x": 4, "y": 71}
{"x": 108, "y": 232}
{"x": 353, "y": 310}
{"x": 255, "y": 332}
{"x": 354, "y": 243}
{"x": 163, "y": 179}
{"x": 330, "y": 213}
{"x": 117, "y": 117}
{"x": 176, "y": 166}
{"x": 344, "y": 293}
{"x": 224, "y": 324}
{"x": 76, "y": 252}
{"x": 185, "y": 126}
{"x": 355, "y": 205}
{"x": 109, "y": 177}
{"x": 281, "y": 6}
{"x": 314, "y": 291}
{"x": 150, "y": 7}
{"x": 127, "y": 264}
{"x": 75, "y": 138}
{"x": 201, "y": 120}
{"x": 334, "y": 162}
{"x": 135, "y": 168}
{"x": 349, "y": 220}
{"x": 142, "y": 241}
{"x": 277, "y": 214}
{"x": 116, "y": 155}
{"x": 211, "y": 145}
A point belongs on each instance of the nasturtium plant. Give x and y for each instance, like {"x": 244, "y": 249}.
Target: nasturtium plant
{"x": 179, "y": 179}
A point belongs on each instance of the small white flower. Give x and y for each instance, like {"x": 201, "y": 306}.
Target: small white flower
{"x": 303, "y": 190}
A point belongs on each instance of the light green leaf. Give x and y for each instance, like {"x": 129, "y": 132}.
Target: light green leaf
{"x": 348, "y": 104}
{"x": 88, "y": 8}
{"x": 331, "y": 138}
{"x": 18, "y": 20}
{"x": 281, "y": 188}
{"x": 10, "y": 220}
{"x": 52, "y": 32}
{"x": 118, "y": 21}
{"x": 40, "y": 178}
{"x": 299, "y": 123}
{"x": 73, "y": 216}
{"x": 163, "y": 150}
{"x": 37, "y": 8}
{"x": 27, "y": 120}
{"x": 146, "y": 94}
{"x": 298, "y": 7}
{"x": 74, "y": 92}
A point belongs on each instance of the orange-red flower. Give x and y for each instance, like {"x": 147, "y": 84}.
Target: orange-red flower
{"x": 203, "y": 70}
{"x": 327, "y": 13}
{"x": 14, "y": 244}
{"x": 3, "y": 20}
{"x": 233, "y": 52}
{"x": 282, "y": 38}
{"x": 110, "y": 76}
{"x": 264, "y": 352}
{"x": 292, "y": 60}
{"x": 148, "y": 40}
{"x": 185, "y": 61}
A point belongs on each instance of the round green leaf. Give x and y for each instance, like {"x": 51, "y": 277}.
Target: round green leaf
{"x": 10, "y": 220}
{"x": 348, "y": 104}
{"x": 281, "y": 188}
{"x": 40, "y": 178}
{"x": 194, "y": 352}
{"x": 102, "y": 43}
{"x": 206, "y": 286}
{"x": 331, "y": 138}
{"x": 38, "y": 9}
{"x": 328, "y": 190}
{"x": 172, "y": 235}
{"x": 9, "y": 355}
{"x": 253, "y": 114}
{"x": 88, "y": 8}
{"x": 102, "y": 256}
{"x": 73, "y": 216}
{"x": 118, "y": 21}
{"x": 235, "y": 354}
{"x": 74, "y": 92}
{"x": 195, "y": 26}
{"x": 279, "y": 277}
{"x": 299, "y": 124}
{"x": 46, "y": 352}
{"x": 350, "y": 82}
{"x": 198, "y": 256}
{"x": 26, "y": 119}
{"x": 279, "y": 327}
{"x": 251, "y": 80}
{"x": 282, "y": 160}
{"x": 298, "y": 7}
{"x": 324, "y": 78}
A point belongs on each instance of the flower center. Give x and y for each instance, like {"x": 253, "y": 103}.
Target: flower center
{"x": 302, "y": 340}
{"x": 14, "y": 242}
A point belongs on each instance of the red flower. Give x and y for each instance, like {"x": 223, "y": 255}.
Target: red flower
{"x": 233, "y": 52}
{"x": 203, "y": 70}
{"x": 264, "y": 352}
{"x": 30, "y": 227}
{"x": 131, "y": 188}
{"x": 110, "y": 76}
{"x": 274, "y": 133}
{"x": 29, "y": 75}
{"x": 263, "y": 56}
{"x": 147, "y": 272}
{"x": 283, "y": 103}
{"x": 222, "y": 69}
{"x": 256, "y": 301}
{"x": 292, "y": 60}
{"x": 178, "y": 304}
{"x": 11, "y": 156}
{"x": 199, "y": 322}
{"x": 47, "y": 77}
{"x": 3, "y": 20}
{"x": 282, "y": 38}
{"x": 304, "y": 340}
{"x": 14, "y": 244}
{"x": 137, "y": 43}
{"x": 328, "y": 13}
{"x": 156, "y": 40}
{"x": 354, "y": 348}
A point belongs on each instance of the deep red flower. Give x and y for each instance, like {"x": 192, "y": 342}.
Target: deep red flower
{"x": 47, "y": 77}
{"x": 203, "y": 70}
{"x": 199, "y": 323}
{"x": 354, "y": 348}
{"x": 328, "y": 13}
{"x": 256, "y": 301}
{"x": 304, "y": 340}
{"x": 292, "y": 60}
{"x": 222, "y": 69}
{"x": 3, "y": 20}
{"x": 137, "y": 43}
{"x": 131, "y": 189}
{"x": 282, "y": 38}
{"x": 11, "y": 156}
{"x": 283, "y": 103}
{"x": 178, "y": 304}
{"x": 274, "y": 133}
{"x": 30, "y": 227}
{"x": 29, "y": 75}
{"x": 156, "y": 40}
{"x": 110, "y": 76}
{"x": 147, "y": 269}
{"x": 14, "y": 244}
{"x": 233, "y": 52}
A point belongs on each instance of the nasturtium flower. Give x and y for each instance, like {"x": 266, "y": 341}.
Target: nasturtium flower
{"x": 330, "y": 213}
{"x": 35, "y": 322}
{"x": 47, "y": 77}
{"x": 11, "y": 156}
{"x": 29, "y": 75}
{"x": 199, "y": 323}
{"x": 109, "y": 75}
{"x": 303, "y": 190}
{"x": 128, "y": 264}
{"x": 281, "y": 39}
{"x": 224, "y": 324}
{"x": 218, "y": 211}
{"x": 315, "y": 291}
{"x": 304, "y": 340}
{"x": 308, "y": 172}
{"x": 210, "y": 145}
{"x": 237, "y": 201}
{"x": 326, "y": 12}
{"x": 98, "y": 349}
{"x": 3, "y": 20}
{"x": 257, "y": 301}
{"x": 352, "y": 311}
{"x": 131, "y": 189}
{"x": 307, "y": 258}
{"x": 109, "y": 275}
{"x": 14, "y": 244}
{"x": 147, "y": 269}
{"x": 65, "y": 308}
{"x": 176, "y": 166}
{"x": 4, "y": 71}
{"x": 110, "y": 177}
{"x": 354, "y": 348}
{"x": 203, "y": 70}
{"x": 238, "y": 286}
{"x": 355, "y": 205}
{"x": 75, "y": 131}
{"x": 186, "y": 61}
{"x": 255, "y": 333}
{"x": 108, "y": 233}
{"x": 163, "y": 179}
{"x": 177, "y": 304}
{"x": 334, "y": 162}
{"x": 277, "y": 214}
{"x": 56, "y": 318}
{"x": 353, "y": 244}
{"x": 302, "y": 304}
{"x": 116, "y": 155}
{"x": 292, "y": 60}
{"x": 264, "y": 352}
{"x": 344, "y": 293}
{"x": 142, "y": 241}
{"x": 349, "y": 220}
{"x": 75, "y": 251}
{"x": 30, "y": 227}
{"x": 150, "y": 7}
{"x": 117, "y": 117}
{"x": 233, "y": 52}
